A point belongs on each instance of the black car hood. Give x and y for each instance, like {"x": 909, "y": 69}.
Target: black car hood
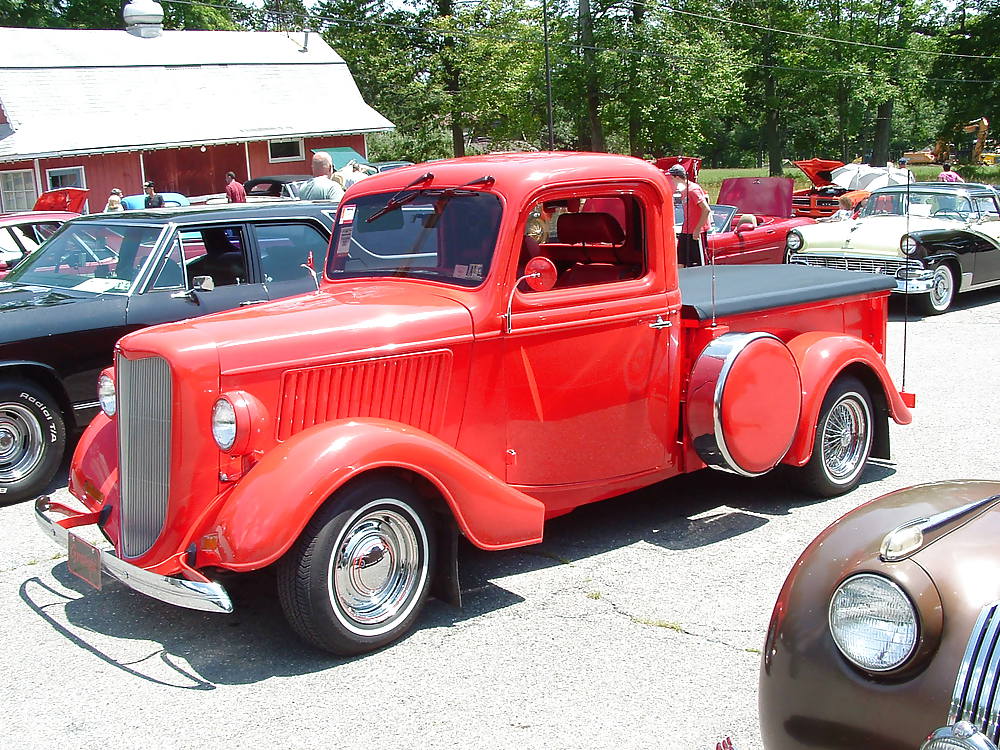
{"x": 18, "y": 296}
{"x": 33, "y": 313}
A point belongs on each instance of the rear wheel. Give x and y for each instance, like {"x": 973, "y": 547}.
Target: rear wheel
{"x": 360, "y": 573}
{"x": 843, "y": 440}
{"x": 942, "y": 292}
{"x": 32, "y": 440}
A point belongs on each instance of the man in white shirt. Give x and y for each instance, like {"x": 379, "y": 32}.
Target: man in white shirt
{"x": 321, "y": 187}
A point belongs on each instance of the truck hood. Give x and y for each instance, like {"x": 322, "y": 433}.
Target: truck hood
{"x": 873, "y": 235}
{"x": 366, "y": 320}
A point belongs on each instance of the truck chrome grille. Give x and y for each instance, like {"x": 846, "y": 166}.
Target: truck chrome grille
{"x": 145, "y": 399}
{"x": 410, "y": 389}
{"x": 887, "y": 266}
{"x": 976, "y": 697}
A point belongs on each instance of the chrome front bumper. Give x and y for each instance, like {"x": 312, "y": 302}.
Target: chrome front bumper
{"x": 918, "y": 285}
{"x": 206, "y": 596}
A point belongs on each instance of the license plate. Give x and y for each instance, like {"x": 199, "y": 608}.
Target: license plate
{"x": 84, "y": 560}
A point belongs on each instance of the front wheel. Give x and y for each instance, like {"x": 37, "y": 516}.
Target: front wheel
{"x": 360, "y": 573}
{"x": 32, "y": 440}
{"x": 942, "y": 292}
{"x": 843, "y": 440}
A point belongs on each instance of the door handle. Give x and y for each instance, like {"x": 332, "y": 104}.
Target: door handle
{"x": 660, "y": 322}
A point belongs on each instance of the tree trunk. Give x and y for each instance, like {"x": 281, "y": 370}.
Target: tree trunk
{"x": 772, "y": 139}
{"x": 635, "y": 145}
{"x": 452, "y": 82}
{"x": 883, "y": 130}
{"x": 590, "y": 72}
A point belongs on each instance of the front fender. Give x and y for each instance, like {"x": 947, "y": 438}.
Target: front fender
{"x": 271, "y": 505}
{"x": 821, "y": 357}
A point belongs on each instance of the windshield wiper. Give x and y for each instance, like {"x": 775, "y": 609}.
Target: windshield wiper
{"x": 399, "y": 199}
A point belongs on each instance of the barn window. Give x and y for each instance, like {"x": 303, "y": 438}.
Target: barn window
{"x": 287, "y": 150}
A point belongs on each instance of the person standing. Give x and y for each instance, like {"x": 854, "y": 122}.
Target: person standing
{"x": 114, "y": 201}
{"x": 697, "y": 211}
{"x": 153, "y": 198}
{"x": 234, "y": 189}
{"x": 321, "y": 187}
{"x": 947, "y": 175}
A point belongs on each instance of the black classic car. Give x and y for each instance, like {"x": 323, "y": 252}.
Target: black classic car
{"x": 99, "y": 277}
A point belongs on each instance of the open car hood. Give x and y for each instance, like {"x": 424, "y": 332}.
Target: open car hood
{"x": 62, "y": 199}
{"x": 766, "y": 196}
{"x": 691, "y": 164}
{"x": 818, "y": 170}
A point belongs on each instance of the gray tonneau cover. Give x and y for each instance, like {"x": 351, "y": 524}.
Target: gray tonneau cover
{"x": 743, "y": 289}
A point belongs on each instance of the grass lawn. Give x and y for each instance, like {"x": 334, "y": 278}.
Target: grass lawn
{"x": 711, "y": 179}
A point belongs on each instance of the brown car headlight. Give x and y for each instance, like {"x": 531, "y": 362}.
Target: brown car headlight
{"x": 873, "y": 623}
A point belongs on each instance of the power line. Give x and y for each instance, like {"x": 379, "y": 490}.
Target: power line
{"x": 679, "y": 57}
{"x": 801, "y": 34}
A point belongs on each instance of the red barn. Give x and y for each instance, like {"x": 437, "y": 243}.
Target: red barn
{"x": 105, "y": 109}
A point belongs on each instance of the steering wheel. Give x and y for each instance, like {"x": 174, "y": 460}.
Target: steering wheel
{"x": 948, "y": 213}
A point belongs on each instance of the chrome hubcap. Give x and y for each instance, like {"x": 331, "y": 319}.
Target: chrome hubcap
{"x": 377, "y": 568}
{"x": 845, "y": 438}
{"x": 21, "y": 443}
{"x": 941, "y": 291}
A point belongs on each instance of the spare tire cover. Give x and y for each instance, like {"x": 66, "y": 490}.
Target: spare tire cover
{"x": 744, "y": 400}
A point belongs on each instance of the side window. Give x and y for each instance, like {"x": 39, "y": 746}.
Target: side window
{"x": 285, "y": 248}
{"x": 8, "y": 246}
{"x": 591, "y": 240}
{"x": 171, "y": 272}
{"x": 216, "y": 251}
{"x": 987, "y": 207}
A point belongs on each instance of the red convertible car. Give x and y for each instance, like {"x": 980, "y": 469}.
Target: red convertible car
{"x": 751, "y": 220}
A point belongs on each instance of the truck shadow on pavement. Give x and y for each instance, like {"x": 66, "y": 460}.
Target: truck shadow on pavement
{"x": 189, "y": 650}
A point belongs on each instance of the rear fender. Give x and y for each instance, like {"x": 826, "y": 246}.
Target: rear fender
{"x": 271, "y": 505}
{"x": 822, "y": 357}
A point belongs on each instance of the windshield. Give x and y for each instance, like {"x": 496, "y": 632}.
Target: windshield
{"x": 939, "y": 205}
{"x": 89, "y": 257}
{"x": 428, "y": 234}
{"x": 720, "y": 220}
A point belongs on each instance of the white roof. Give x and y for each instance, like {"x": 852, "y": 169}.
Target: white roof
{"x": 66, "y": 91}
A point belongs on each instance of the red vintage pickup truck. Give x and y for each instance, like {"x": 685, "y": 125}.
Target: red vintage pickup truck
{"x": 453, "y": 378}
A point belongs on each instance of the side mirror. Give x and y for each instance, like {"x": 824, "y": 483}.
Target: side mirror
{"x": 198, "y": 284}
{"x": 540, "y": 274}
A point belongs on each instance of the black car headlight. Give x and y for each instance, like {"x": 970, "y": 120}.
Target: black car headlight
{"x": 873, "y": 623}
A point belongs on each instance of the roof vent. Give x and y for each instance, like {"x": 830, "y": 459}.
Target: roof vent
{"x": 143, "y": 18}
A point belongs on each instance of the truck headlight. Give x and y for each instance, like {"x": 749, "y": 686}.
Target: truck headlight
{"x": 224, "y": 424}
{"x": 908, "y": 246}
{"x": 793, "y": 241}
{"x": 873, "y": 623}
{"x": 106, "y": 394}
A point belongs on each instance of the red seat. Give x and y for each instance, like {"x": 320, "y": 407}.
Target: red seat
{"x": 590, "y": 249}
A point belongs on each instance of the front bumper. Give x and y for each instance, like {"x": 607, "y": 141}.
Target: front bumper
{"x": 203, "y": 595}
{"x": 910, "y": 276}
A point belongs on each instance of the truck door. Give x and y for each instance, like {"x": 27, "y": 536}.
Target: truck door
{"x": 587, "y": 363}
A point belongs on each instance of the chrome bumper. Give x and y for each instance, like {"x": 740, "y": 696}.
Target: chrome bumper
{"x": 918, "y": 285}
{"x": 200, "y": 595}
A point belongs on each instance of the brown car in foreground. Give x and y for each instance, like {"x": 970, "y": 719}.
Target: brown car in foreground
{"x": 886, "y": 633}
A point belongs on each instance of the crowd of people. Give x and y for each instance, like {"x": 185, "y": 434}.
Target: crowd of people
{"x": 326, "y": 184}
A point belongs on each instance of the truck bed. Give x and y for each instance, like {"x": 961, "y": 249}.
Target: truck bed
{"x": 743, "y": 289}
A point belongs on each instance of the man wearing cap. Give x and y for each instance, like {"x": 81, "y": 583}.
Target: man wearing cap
{"x": 153, "y": 198}
{"x": 696, "y": 214}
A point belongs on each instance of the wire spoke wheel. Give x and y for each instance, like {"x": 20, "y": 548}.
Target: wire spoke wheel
{"x": 846, "y": 437}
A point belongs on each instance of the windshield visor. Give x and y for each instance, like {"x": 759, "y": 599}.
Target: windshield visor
{"x": 89, "y": 257}
{"x": 429, "y": 234}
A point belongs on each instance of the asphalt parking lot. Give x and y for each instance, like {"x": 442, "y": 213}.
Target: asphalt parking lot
{"x": 636, "y": 624}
